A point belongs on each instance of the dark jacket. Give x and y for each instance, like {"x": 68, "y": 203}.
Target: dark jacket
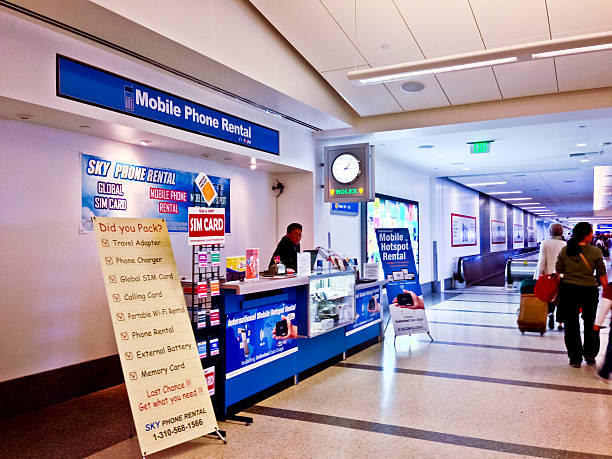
{"x": 575, "y": 270}
{"x": 287, "y": 251}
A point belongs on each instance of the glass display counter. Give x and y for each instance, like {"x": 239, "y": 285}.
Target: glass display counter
{"x": 331, "y": 302}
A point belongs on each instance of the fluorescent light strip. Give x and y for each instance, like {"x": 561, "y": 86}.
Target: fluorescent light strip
{"x": 505, "y": 192}
{"x": 486, "y": 184}
{"x": 516, "y": 199}
{"x": 451, "y": 68}
{"x": 565, "y": 52}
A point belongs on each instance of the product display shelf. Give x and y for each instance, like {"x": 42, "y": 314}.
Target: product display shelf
{"x": 203, "y": 312}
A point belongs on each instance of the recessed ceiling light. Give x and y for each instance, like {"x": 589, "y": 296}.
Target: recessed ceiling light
{"x": 581, "y": 144}
{"x": 253, "y": 166}
{"x": 253, "y": 160}
{"x": 440, "y": 156}
{"x": 486, "y": 183}
{"x": 516, "y": 199}
{"x": 584, "y": 160}
{"x": 412, "y": 86}
{"x": 466, "y": 169}
{"x": 145, "y": 142}
{"x": 506, "y": 192}
{"x": 425, "y": 146}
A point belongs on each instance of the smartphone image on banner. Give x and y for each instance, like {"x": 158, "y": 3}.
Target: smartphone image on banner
{"x": 128, "y": 98}
{"x": 281, "y": 328}
{"x": 244, "y": 340}
{"x": 405, "y": 299}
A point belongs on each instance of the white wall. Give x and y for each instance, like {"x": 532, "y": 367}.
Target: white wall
{"x": 457, "y": 199}
{"x": 499, "y": 212}
{"x": 54, "y": 310}
{"x": 295, "y": 204}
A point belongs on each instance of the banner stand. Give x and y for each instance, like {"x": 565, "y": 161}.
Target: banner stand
{"x": 404, "y": 292}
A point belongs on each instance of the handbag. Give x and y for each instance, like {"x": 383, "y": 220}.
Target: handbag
{"x": 547, "y": 287}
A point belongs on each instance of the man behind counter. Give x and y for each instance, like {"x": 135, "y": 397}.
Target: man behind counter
{"x": 289, "y": 246}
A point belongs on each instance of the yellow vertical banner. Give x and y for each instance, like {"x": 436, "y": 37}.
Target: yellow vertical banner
{"x": 163, "y": 375}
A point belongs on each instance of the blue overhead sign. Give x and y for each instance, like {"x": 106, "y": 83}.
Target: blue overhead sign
{"x": 345, "y": 208}
{"x": 93, "y": 86}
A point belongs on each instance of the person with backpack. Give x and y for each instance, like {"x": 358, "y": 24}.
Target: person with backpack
{"x": 579, "y": 292}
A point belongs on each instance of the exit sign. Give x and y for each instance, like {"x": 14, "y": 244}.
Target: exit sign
{"x": 480, "y": 147}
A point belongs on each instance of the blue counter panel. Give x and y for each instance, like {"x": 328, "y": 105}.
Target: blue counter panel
{"x": 354, "y": 339}
{"x": 312, "y": 351}
{"x": 242, "y": 386}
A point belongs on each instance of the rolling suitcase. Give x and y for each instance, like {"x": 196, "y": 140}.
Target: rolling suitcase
{"x": 528, "y": 286}
{"x": 532, "y": 314}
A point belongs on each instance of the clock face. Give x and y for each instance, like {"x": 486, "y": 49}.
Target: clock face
{"x": 346, "y": 168}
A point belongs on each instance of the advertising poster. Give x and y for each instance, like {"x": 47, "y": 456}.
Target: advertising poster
{"x": 111, "y": 188}
{"x": 404, "y": 291}
{"x": 463, "y": 230}
{"x": 390, "y": 212}
{"x": 519, "y": 236}
{"x": 258, "y": 336}
{"x": 252, "y": 264}
{"x": 498, "y": 232}
{"x": 206, "y": 226}
{"x": 531, "y": 234}
{"x": 167, "y": 390}
{"x": 367, "y": 309}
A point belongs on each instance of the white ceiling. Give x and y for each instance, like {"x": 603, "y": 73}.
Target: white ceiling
{"x": 337, "y": 36}
{"x": 531, "y": 154}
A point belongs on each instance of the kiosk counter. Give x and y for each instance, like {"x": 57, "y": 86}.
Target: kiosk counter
{"x": 279, "y": 328}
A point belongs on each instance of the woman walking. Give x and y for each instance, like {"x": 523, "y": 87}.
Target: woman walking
{"x": 578, "y": 291}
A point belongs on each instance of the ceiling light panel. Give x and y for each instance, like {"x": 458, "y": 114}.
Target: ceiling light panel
{"x": 505, "y": 192}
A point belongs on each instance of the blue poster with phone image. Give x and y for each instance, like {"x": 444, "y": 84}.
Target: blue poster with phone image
{"x": 367, "y": 309}
{"x": 254, "y": 339}
{"x": 403, "y": 290}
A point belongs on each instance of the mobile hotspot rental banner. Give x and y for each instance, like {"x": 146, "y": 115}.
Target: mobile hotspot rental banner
{"x": 367, "y": 307}
{"x": 113, "y": 188}
{"x": 399, "y": 267}
{"x": 166, "y": 385}
{"x": 250, "y": 341}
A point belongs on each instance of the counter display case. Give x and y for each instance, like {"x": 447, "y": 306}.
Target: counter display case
{"x": 331, "y": 302}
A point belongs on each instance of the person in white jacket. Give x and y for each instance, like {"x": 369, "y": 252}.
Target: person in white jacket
{"x": 549, "y": 251}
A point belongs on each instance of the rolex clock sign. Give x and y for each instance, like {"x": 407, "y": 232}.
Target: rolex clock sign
{"x": 349, "y": 173}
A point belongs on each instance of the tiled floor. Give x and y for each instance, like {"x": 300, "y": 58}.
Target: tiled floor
{"x": 480, "y": 390}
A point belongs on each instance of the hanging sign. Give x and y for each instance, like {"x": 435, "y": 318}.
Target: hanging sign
{"x": 167, "y": 390}
{"x": 112, "y": 188}
{"x": 404, "y": 290}
{"x": 206, "y": 226}
{"x": 83, "y": 83}
{"x": 345, "y": 208}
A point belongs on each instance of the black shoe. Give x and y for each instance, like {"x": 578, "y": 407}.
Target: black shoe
{"x": 589, "y": 361}
{"x": 560, "y": 327}
{"x": 551, "y": 322}
{"x": 575, "y": 364}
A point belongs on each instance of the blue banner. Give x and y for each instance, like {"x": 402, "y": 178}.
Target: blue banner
{"x": 367, "y": 309}
{"x": 403, "y": 290}
{"x": 252, "y": 338}
{"x": 346, "y": 208}
{"x": 93, "y": 86}
{"x": 118, "y": 189}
